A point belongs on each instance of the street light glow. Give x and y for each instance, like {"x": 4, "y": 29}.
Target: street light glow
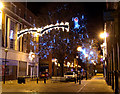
{"x": 103, "y": 35}
{"x": 86, "y": 55}
{"x": 33, "y": 55}
{"x": 79, "y": 49}
{"x": 91, "y": 52}
{"x": 1, "y": 5}
{"x": 6, "y": 50}
{"x": 92, "y": 61}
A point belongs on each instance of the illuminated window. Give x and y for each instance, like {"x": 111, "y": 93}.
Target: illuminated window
{"x": 12, "y": 31}
{"x": 19, "y": 28}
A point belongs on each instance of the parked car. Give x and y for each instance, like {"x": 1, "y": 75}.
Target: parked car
{"x": 44, "y": 75}
{"x": 70, "y": 76}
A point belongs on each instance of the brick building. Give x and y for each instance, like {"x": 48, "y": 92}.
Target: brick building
{"x": 15, "y": 17}
{"x": 112, "y": 21}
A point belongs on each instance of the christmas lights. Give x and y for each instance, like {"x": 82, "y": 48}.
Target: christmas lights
{"x": 45, "y": 29}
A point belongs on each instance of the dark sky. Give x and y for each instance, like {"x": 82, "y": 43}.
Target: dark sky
{"x": 93, "y": 12}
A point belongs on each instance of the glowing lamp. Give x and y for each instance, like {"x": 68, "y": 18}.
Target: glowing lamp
{"x": 91, "y": 53}
{"x": 55, "y": 63}
{"x": 86, "y": 55}
{"x": 1, "y": 5}
{"x": 6, "y": 50}
{"x": 103, "y": 35}
{"x": 92, "y": 61}
{"x": 33, "y": 55}
{"x": 79, "y": 49}
{"x": 77, "y": 57}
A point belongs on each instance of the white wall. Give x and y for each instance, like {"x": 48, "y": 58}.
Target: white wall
{"x": 15, "y": 55}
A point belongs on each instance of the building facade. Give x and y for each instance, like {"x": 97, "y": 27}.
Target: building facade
{"x": 14, "y": 18}
{"x": 112, "y": 21}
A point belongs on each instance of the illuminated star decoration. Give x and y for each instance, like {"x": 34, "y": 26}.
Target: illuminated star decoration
{"x": 76, "y": 24}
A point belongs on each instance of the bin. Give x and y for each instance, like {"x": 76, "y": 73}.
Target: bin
{"x": 21, "y": 80}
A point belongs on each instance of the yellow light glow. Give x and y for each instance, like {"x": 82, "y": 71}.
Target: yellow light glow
{"x": 86, "y": 55}
{"x": 103, "y": 35}
{"x": 92, "y": 61}
{"x": 33, "y": 55}
{"x": 79, "y": 49}
{"x": 1, "y": 5}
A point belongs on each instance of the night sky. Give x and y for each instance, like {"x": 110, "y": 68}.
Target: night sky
{"x": 92, "y": 11}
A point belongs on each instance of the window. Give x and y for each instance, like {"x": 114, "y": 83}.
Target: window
{"x": 34, "y": 23}
{"x": 19, "y": 12}
{"x": 30, "y": 19}
{"x": 19, "y": 28}
{"x": 25, "y": 16}
{"x": 6, "y": 31}
{"x": 13, "y": 7}
{"x": 12, "y": 31}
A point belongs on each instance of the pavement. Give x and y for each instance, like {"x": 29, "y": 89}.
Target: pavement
{"x": 96, "y": 84}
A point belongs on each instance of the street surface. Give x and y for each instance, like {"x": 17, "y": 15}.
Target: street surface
{"x": 96, "y": 84}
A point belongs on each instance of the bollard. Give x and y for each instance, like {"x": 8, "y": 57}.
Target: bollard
{"x": 45, "y": 80}
{"x": 79, "y": 80}
{"x": 75, "y": 80}
{"x": 37, "y": 80}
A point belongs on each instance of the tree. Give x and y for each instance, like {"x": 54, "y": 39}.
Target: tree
{"x": 63, "y": 45}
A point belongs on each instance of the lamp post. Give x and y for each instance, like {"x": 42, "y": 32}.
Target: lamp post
{"x": 79, "y": 49}
{"x": 33, "y": 57}
{"x": 104, "y": 46}
{"x": 6, "y": 50}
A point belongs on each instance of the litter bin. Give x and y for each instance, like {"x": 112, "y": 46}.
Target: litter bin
{"x": 21, "y": 80}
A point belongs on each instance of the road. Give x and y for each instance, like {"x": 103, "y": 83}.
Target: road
{"x": 96, "y": 84}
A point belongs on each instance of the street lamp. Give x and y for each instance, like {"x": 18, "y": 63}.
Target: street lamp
{"x": 104, "y": 46}
{"x": 103, "y": 35}
{"x": 6, "y": 50}
{"x": 79, "y": 48}
{"x": 1, "y": 5}
{"x": 31, "y": 57}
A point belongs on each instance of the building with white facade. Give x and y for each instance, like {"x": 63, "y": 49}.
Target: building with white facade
{"x": 15, "y": 17}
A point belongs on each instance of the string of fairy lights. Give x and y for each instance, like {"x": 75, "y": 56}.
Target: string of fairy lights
{"x": 41, "y": 31}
